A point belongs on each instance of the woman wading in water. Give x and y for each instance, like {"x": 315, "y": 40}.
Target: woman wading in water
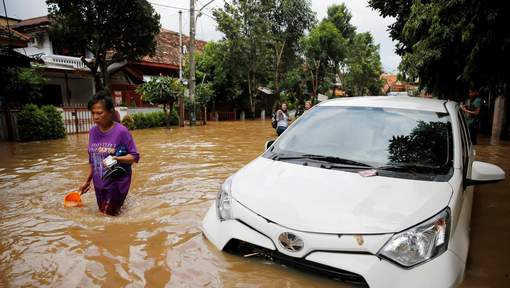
{"x": 111, "y": 150}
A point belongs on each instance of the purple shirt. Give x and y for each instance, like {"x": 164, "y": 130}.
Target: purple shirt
{"x": 102, "y": 144}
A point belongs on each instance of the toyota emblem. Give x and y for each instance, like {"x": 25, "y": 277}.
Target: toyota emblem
{"x": 291, "y": 242}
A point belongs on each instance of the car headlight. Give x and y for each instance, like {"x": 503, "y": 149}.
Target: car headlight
{"x": 223, "y": 201}
{"x": 420, "y": 243}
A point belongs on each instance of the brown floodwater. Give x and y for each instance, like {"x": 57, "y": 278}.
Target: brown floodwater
{"x": 156, "y": 241}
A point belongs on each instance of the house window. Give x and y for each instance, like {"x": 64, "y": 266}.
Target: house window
{"x": 59, "y": 48}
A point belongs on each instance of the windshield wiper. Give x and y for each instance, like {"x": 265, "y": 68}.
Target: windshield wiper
{"x": 329, "y": 159}
{"x": 406, "y": 168}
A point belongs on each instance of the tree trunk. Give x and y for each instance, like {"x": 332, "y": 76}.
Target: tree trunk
{"x": 279, "y": 53}
{"x": 104, "y": 75}
{"x": 97, "y": 82}
{"x": 250, "y": 93}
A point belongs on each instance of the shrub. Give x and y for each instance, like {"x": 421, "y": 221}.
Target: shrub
{"x": 38, "y": 124}
{"x": 174, "y": 117}
{"x": 149, "y": 120}
{"x": 128, "y": 122}
{"x": 31, "y": 123}
{"x": 55, "y": 125}
{"x": 139, "y": 121}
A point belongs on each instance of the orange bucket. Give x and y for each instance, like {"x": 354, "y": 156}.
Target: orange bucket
{"x": 73, "y": 199}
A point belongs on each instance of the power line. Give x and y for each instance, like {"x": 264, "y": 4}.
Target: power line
{"x": 170, "y": 6}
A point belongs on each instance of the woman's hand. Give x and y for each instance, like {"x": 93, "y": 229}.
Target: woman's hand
{"x": 84, "y": 188}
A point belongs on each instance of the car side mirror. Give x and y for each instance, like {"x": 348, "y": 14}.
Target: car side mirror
{"x": 485, "y": 173}
{"x": 268, "y": 144}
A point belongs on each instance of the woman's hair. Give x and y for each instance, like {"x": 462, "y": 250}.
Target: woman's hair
{"x": 104, "y": 98}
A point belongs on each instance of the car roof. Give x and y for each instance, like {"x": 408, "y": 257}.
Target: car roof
{"x": 399, "y": 102}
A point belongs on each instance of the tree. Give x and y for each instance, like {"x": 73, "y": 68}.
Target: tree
{"x": 246, "y": 37}
{"x": 112, "y": 30}
{"x": 364, "y": 67}
{"x": 323, "y": 47}
{"x": 340, "y": 16}
{"x": 21, "y": 85}
{"x": 450, "y": 45}
{"x": 288, "y": 20}
{"x": 213, "y": 66}
{"x": 162, "y": 90}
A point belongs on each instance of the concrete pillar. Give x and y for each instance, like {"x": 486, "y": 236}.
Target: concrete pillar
{"x": 497, "y": 119}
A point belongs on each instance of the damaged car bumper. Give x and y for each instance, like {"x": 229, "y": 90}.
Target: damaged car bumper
{"x": 347, "y": 257}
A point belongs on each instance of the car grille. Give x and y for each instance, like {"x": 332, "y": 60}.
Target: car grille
{"x": 244, "y": 248}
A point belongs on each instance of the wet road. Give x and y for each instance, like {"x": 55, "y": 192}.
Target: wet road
{"x": 157, "y": 242}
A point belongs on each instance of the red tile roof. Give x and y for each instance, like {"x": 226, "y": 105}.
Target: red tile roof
{"x": 41, "y": 20}
{"x": 12, "y": 37}
{"x": 167, "y": 49}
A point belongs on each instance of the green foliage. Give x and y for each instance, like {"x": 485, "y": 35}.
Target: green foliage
{"x": 205, "y": 94}
{"x": 55, "y": 125}
{"x": 340, "y": 16}
{"x": 162, "y": 90}
{"x": 324, "y": 48}
{"x": 325, "y": 44}
{"x": 21, "y": 85}
{"x": 364, "y": 67}
{"x": 128, "y": 122}
{"x": 248, "y": 52}
{"x": 150, "y": 120}
{"x": 38, "y": 124}
{"x": 449, "y": 45}
{"x": 288, "y": 20}
{"x": 113, "y": 30}
{"x": 213, "y": 65}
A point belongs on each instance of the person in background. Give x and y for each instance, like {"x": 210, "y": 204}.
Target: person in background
{"x": 471, "y": 110}
{"x": 112, "y": 151}
{"x": 308, "y": 105}
{"x": 282, "y": 119}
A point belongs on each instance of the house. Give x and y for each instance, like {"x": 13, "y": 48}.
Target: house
{"x": 391, "y": 83}
{"x": 164, "y": 62}
{"x": 70, "y": 82}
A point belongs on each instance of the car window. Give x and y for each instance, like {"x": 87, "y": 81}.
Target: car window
{"x": 375, "y": 136}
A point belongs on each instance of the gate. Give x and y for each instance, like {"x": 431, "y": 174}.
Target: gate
{"x": 77, "y": 119}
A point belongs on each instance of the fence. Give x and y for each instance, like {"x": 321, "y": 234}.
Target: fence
{"x": 9, "y": 124}
{"x": 222, "y": 116}
{"x": 77, "y": 119}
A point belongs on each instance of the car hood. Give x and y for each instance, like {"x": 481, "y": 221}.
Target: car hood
{"x": 332, "y": 201}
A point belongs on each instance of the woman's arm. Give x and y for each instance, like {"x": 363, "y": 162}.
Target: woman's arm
{"x": 86, "y": 185}
{"x": 471, "y": 112}
{"x": 126, "y": 159}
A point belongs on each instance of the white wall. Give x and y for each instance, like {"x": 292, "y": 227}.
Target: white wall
{"x": 81, "y": 88}
{"x": 45, "y": 48}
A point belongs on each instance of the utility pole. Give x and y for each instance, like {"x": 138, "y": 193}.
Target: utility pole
{"x": 181, "y": 98}
{"x": 180, "y": 45}
{"x": 192, "y": 79}
{"x": 192, "y": 57}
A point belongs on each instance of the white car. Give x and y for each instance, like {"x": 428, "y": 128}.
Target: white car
{"x": 373, "y": 191}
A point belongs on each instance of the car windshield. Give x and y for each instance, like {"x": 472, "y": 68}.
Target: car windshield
{"x": 371, "y": 137}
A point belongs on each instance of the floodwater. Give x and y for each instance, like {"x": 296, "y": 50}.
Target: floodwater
{"x": 156, "y": 241}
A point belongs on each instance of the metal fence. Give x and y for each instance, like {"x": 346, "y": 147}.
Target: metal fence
{"x": 77, "y": 119}
{"x": 222, "y": 116}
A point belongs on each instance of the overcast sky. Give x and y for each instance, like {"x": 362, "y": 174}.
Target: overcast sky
{"x": 363, "y": 17}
